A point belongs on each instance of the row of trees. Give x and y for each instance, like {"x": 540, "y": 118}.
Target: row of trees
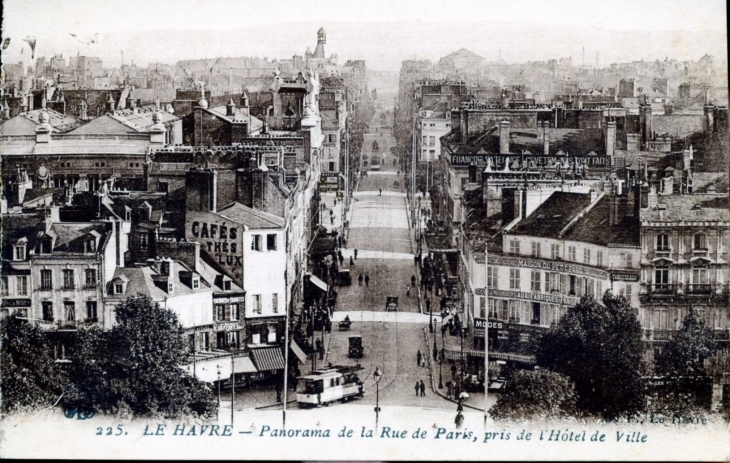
{"x": 132, "y": 369}
{"x": 592, "y": 365}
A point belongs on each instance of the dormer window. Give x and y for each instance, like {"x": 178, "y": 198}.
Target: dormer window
{"x": 46, "y": 246}
{"x": 19, "y": 252}
{"x": 170, "y": 287}
{"x": 128, "y": 216}
{"x": 227, "y": 285}
{"x": 90, "y": 245}
{"x": 118, "y": 288}
{"x": 196, "y": 283}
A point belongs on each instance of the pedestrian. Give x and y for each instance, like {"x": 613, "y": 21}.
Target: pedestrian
{"x": 415, "y": 260}
{"x": 460, "y": 405}
{"x": 355, "y": 253}
{"x": 380, "y": 192}
{"x": 423, "y": 389}
{"x": 453, "y": 371}
{"x": 342, "y": 259}
{"x": 332, "y": 220}
{"x": 459, "y": 421}
{"x": 278, "y": 393}
{"x": 449, "y": 390}
{"x": 352, "y": 262}
{"x": 418, "y": 357}
{"x": 428, "y": 305}
{"x": 408, "y": 291}
{"x": 418, "y": 388}
{"x": 367, "y": 281}
{"x": 318, "y": 344}
{"x": 332, "y": 211}
{"x": 359, "y": 278}
{"x": 413, "y": 280}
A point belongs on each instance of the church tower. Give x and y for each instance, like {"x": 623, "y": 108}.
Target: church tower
{"x": 321, "y": 40}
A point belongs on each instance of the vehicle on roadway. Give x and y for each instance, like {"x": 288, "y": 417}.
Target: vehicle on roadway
{"x": 355, "y": 349}
{"x": 332, "y": 384}
{"x": 375, "y": 162}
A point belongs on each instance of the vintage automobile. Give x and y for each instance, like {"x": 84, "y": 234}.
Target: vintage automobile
{"x": 391, "y": 304}
{"x": 355, "y": 349}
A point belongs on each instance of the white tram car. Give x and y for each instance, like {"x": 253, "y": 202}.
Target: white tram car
{"x": 327, "y": 385}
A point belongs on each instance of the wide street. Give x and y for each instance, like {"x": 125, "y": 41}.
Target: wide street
{"x": 380, "y": 232}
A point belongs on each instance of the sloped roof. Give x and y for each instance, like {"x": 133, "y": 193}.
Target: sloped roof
{"x": 553, "y": 215}
{"x": 142, "y": 281}
{"x": 68, "y": 235}
{"x": 251, "y": 218}
{"x": 126, "y": 121}
{"x": 240, "y": 115}
{"x": 594, "y": 227}
{"x": 17, "y": 226}
{"x": 25, "y": 123}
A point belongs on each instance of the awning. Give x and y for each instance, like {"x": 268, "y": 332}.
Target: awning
{"x": 298, "y": 351}
{"x": 207, "y": 369}
{"x": 244, "y": 365}
{"x": 268, "y": 359}
{"x": 318, "y": 283}
{"x": 456, "y": 355}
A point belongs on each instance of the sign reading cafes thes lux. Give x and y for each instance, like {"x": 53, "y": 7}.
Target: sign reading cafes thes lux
{"x": 547, "y": 265}
{"x": 220, "y": 239}
{"x": 498, "y": 161}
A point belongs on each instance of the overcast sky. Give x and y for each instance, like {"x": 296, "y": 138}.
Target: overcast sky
{"x": 384, "y": 33}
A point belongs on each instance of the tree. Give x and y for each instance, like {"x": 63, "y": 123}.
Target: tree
{"x": 539, "y": 394}
{"x": 599, "y": 347}
{"x": 136, "y": 366}
{"x": 686, "y": 352}
{"x": 30, "y": 377}
{"x": 687, "y": 388}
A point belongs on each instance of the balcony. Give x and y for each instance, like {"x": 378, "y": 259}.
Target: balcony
{"x": 90, "y": 287}
{"x": 666, "y": 335}
{"x": 663, "y": 288}
{"x": 68, "y": 287}
{"x": 700, "y": 289}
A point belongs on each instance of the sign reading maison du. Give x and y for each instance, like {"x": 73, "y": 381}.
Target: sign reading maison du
{"x": 547, "y": 265}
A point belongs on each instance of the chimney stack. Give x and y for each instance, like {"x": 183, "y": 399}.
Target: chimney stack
{"x": 504, "y": 137}
{"x": 231, "y": 108}
{"x": 610, "y": 139}
{"x": 540, "y": 130}
{"x": 546, "y": 144}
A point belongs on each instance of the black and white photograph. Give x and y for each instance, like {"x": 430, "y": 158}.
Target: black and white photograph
{"x": 339, "y": 230}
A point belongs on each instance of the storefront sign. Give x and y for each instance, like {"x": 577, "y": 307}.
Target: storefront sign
{"x": 227, "y": 300}
{"x": 16, "y": 302}
{"x": 498, "y": 161}
{"x": 535, "y": 297}
{"x": 622, "y": 276}
{"x": 329, "y": 174}
{"x": 547, "y": 265}
{"x": 220, "y": 239}
{"x": 230, "y": 326}
{"x": 479, "y": 324}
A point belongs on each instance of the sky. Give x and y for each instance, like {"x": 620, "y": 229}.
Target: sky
{"x": 384, "y": 33}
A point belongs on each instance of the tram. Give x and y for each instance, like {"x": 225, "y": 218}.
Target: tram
{"x": 375, "y": 162}
{"x": 327, "y": 385}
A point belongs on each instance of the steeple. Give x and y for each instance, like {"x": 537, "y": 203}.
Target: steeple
{"x": 321, "y": 40}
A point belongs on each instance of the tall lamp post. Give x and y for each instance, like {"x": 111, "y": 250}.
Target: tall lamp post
{"x": 443, "y": 355}
{"x": 378, "y": 375}
{"x": 219, "y": 384}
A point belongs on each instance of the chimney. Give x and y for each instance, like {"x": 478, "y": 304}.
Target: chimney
{"x": 504, "y": 137}
{"x": 546, "y": 144}
{"x": 709, "y": 118}
{"x": 110, "y": 104}
{"x": 580, "y": 103}
{"x": 244, "y": 99}
{"x": 594, "y": 195}
{"x": 652, "y": 197}
{"x": 201, "y": 190}
{"x": 687, "y": 159}
{"x": 231, "y": 108}
{"x": 167, "y": 270}
{"x": 540, "y": 131}
{"x": 610, "y": 139}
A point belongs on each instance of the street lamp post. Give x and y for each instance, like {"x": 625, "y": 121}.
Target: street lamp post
{"x": 377, "y": 375}
{"x": 219, "y": 385}
{"x": 443, "y": 354}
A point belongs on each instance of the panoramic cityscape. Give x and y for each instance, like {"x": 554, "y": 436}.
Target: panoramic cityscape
{"x": 492, "y": 239}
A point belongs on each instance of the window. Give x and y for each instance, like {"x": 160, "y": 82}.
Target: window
{"x": 699, "y": 276}
{"x": 536, "y": 249}
{"x": 205, "y": 340}
{"x": 493, "y": 309}
{"x": 571, "y": 253}
{"x": 20, "y": 252}
{"x": 47, "y": 311}
{"x": 275, "y": 302}
{"x": 628, "y": 260}
{"x": 599, "y": 289}
{"x": 571, "y": 290}
{"x": 662, "y": 242}
{"x": 235, "y": 312}
{"x": 627, "y": 293}
{"x": 256, "y": 242}
{"x": 143, "y": 240}
{"x": 564, "y": 284}
{"x": 555, "y": 251}
{"x": 227, "y": 285}
{"x": 196, "y": 283}
{"x": 586, "y": 256}
{"x": 46, "y": 246}
{"x": 271, "y": 242}
{"x": 91, "y": 311}
{"x": 433, "y": 141}
{"x": 514, "y": 278}
{"x": 599, "y": 258}
{"x": 514, "y": 246}
{"x": 514, "y": 311}
{"x": 257, "y": 303}
{"x": 46, "y": 279}
{"x": 90, "y": 277}
{"x": 90, "y": 245}
{"x": 21, "y": 285}
{"x": 68, "y": 279}
{"x": 425, "y": 140}
{"x": 118, "y": 288}
{"x": 700, "y": 241}
{"x": 162, "y": 187}
{"x": 661, "y": 319}
{"x": 535, "y": 281}
{"x": 482, "y": 307}
{"x": 220, "y": 312}
{"x": 588, "y": 287}
{"x": 232, "y": 338}
{"x": 661, "y": 278}
{"x": 491, "y": 277}
{"x": 69, "y": 309}
{"x": 5, "y": 291}
{"x": 579, "y": 286}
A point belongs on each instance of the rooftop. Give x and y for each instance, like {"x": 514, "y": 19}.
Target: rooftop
{"x": 689, "y": 208}
{"x": 251, "y": 218}
{"x": 141, "y": 280}
{"x": 553, "y": 215}
{"x": 594, "y": 227}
